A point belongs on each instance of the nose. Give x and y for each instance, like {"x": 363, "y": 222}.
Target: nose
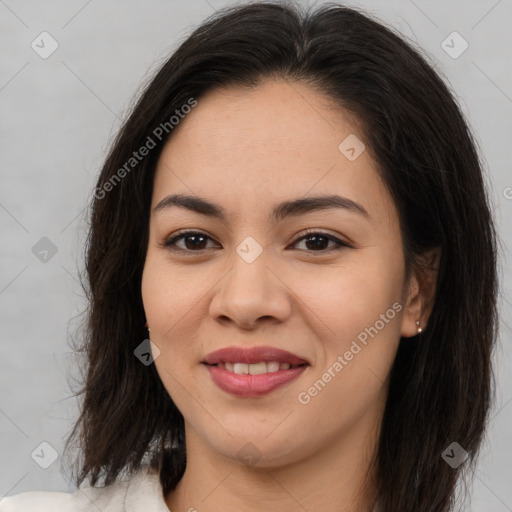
{"x": 250, "y": 295}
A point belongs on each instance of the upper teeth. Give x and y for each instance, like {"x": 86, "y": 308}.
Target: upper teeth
{"x": 255, "y": 368}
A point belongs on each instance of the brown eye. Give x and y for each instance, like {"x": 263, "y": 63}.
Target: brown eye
{"x": 194, "y": 241}
{"x": 318, "y": 242}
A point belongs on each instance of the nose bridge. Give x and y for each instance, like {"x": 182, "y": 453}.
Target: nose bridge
{"x": 248, "y": 279}
{"x": 250, "y": 290}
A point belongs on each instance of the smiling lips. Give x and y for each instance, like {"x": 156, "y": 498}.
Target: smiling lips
{"x": 252, "y": 372}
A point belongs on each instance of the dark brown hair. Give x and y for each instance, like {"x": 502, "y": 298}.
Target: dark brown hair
{"x": 440, "y": 387}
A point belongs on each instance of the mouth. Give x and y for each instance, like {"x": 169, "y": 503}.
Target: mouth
{"x": 256, "y": 368}
{"x": 254, "y": 360}
{"x": 253, "y": 371}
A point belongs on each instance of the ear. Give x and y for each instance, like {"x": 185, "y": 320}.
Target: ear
{"x": 420, "y": 292}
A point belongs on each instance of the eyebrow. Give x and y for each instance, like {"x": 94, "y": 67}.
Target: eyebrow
{"x": 282, "y": 210}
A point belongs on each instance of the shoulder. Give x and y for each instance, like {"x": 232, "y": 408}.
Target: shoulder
{"x": 134, "y": 493}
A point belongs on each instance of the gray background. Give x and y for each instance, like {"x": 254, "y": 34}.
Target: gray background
{"x": 58, "y": 116}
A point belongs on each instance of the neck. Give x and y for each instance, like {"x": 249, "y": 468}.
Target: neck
{"x": 337, "y": 478}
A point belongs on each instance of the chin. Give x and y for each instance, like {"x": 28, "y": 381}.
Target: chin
{"x": 258, "y": 450}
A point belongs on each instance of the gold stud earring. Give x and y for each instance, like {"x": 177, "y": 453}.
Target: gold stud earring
{"x": 418, "y": 323}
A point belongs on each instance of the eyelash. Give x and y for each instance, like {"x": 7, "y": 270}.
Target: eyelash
{"x": 170, "y": 242}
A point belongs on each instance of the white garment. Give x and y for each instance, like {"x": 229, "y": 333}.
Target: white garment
{"x": 143, "y": 492}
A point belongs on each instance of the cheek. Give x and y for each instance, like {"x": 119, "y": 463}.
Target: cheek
{"x": 173, "y": 308}
{"x": 346, "y": 299}
{"x": 356, "y": 316}
{"x": 167, "y": 308}
{"x": 355, "y": 310}
{"x": 170, "y": 298}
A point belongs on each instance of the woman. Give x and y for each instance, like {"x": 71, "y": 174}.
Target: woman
{"x": 295, "y": 215}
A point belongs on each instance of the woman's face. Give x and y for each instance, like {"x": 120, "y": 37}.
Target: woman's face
{"x": 275, "y": 270}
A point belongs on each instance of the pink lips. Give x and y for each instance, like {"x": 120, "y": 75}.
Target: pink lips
{"x": 247, "y": 386}
{"x": 252, "y": 355}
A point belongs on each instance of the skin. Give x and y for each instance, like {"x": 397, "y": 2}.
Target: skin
{"x": 247, "y": 150}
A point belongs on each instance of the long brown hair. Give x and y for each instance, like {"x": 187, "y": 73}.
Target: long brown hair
{"x": 440, "y": 386}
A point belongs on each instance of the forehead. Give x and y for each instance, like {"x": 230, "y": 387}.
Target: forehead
{"x": 256, "y": 147}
